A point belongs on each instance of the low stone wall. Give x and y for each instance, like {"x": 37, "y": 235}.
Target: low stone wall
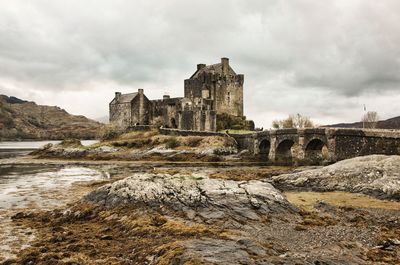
{"x": 137, "y": 128}
{"x": 177, "y": 132}
{"x": 379, "y": 133}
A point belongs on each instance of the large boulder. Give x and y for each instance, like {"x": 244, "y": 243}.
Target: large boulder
{"x": 375, "y": 175}
{"x": 199, "y": 197}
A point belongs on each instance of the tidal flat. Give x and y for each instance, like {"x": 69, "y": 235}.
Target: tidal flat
{"x": 116, "y": 212}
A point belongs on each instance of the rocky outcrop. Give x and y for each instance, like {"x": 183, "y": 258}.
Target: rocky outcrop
{"x": 65, "y": 151}
{"x": 199, "y": 197}
{"x": 73, "y": 149}
{"x": 375, "y": 175}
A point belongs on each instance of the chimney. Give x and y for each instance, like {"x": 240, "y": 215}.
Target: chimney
{"x": 117, "y": 95}
{"x": 165, "y": 97}
{"x": 140, "y": 91}
{"x": 225, "y": 65}
{"x": 200, "y": 66}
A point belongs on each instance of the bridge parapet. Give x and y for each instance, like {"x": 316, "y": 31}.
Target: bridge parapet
{"x": 365, "y": 132}
{"x": 284, "y": 131}
{"x": 317, "y": 145}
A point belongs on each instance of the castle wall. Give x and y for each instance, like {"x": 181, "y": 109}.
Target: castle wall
{"x": 120, "y": 114}
{"x": 198, "y": 120}
{"x": 167, "y": 111}
{"x": 229, "y": 95}
{"x": 193, "y": 88}
{"x": 140, "y": 110}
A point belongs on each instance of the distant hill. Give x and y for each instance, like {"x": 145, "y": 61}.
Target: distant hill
{"x": 393, "y": 123}
{"x": 103, "y": 119}
{"x": 21, "y": 119}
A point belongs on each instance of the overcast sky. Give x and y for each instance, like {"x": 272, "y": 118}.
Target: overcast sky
{"x": 324, "y": 59}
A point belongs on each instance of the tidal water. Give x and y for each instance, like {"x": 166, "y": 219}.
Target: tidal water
{"x": 7, "y": 145}
{"x": 19, "y": 148}
{"x": 34, "y": 187}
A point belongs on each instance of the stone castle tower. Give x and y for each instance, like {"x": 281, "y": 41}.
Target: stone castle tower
{"x": 213, "y": 92}
{"x": 218, "y": 83}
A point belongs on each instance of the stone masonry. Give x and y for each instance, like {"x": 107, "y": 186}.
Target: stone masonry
{"x": 212, "y": 90}
{"x": 318, "y": 145}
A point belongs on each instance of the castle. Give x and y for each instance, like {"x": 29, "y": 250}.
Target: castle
{"x": 212, "y": 93}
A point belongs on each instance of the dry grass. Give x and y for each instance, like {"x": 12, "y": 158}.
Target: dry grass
{"x": 191, "y": 141}
{"x": 168, "y": 253}
{"x": 217, "y": 141}
{"x": 307, "y": 200}
{"x": 251, "y": 173}
{"x": 138, "y": 135}
{"x": 311, "y": 218}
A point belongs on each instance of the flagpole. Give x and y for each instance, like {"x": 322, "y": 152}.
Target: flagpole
{"x": 365, "y": 109}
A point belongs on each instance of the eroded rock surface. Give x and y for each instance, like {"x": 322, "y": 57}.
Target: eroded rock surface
{"x": 198, "y": 196}
{"x": 375, "y": 175}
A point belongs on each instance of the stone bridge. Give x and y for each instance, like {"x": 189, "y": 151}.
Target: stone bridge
{"x": 318, "y": 145}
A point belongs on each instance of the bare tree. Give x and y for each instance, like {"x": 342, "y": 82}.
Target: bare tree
{"x": 370, "y": 119}
{"x": 293, "y": 121}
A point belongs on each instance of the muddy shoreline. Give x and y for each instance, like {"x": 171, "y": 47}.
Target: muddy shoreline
{"x": 329, "y": 228}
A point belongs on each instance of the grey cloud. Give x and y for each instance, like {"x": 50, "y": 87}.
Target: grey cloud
{"x": 288, "y": 50}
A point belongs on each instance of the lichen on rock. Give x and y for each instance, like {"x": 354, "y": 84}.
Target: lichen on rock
{"x": 198, "y": 196}
{"x": 375, "y": 175}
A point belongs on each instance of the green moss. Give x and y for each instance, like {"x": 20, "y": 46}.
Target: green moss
{"x": 226, "y": 121}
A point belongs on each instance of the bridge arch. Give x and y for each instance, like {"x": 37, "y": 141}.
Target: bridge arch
{"x": 264, "y": 147}
{"x": 316, "y": 151}
{"x": 284, "y": 152}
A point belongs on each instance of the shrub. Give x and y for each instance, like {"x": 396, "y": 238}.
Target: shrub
{"x": 227, "y": 121}
{"x": 109, "y": 132}
{"x": 171, "y": 143}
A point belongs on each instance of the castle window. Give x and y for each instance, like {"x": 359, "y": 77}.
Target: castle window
{"x": 229, "y": 97}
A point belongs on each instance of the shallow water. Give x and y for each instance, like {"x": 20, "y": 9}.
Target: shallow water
{"x": 10, "y": 149}
{"x": 35, "y": 144}
{"x": 28, "y": 188}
